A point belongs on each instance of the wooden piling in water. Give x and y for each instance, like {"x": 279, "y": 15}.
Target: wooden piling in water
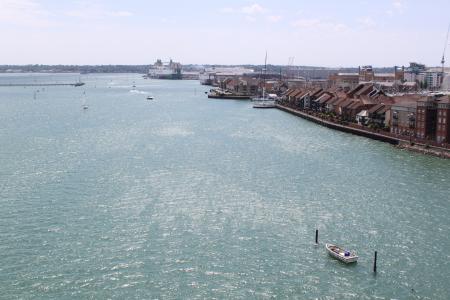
{"x": 375, "y": 262}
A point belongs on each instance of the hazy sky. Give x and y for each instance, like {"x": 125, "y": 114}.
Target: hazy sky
{"x": 316, "y": 32}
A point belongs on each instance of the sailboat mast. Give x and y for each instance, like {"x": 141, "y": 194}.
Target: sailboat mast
{"x": 264, "y": 77}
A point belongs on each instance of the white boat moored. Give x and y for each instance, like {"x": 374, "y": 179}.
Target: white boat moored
{"x": 264, "y": 103}
{"x": 346, "y": 256}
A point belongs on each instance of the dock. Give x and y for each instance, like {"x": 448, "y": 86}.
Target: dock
{"x": 41, "y": 84}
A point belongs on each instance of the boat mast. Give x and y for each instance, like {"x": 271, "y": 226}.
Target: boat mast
{"x": 264, "y": 77}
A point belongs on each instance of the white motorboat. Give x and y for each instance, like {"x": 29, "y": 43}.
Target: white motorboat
{"x": 346, "y": 256}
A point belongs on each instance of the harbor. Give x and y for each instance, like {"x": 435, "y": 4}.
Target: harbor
{"x": 225, "y": 150}
{"x": 195, "y": 196}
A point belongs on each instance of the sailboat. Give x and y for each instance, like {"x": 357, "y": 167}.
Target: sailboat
{"x": 264, "y": 101}
{"x": 84, "y": 104}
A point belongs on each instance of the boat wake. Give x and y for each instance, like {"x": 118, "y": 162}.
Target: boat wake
{"x": 138, "y": 92}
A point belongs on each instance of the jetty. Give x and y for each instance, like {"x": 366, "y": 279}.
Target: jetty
{"x": 41, "y": 84}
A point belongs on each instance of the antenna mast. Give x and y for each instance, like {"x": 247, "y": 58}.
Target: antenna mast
{"x": 443, "y": 54}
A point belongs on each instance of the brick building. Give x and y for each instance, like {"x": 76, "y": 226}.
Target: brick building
{"x": 443, "y": 120}
{"x": 403, "y": 118}
{"x": 426, "y": 118}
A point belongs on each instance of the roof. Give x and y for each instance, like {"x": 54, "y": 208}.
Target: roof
{"x": 363, "y": 113}
{"x": 376, "y": 108}
{"x": 287, "y": 92}
{"x": 365, "y": 90}
{"x": 355, "y": 105}
{"x": 347, "y": 74}
{"x": 301, "y": 95}
{"x": 296, "y": 94}
{"x": 444, "y": 99}
{"x": 346, "y": 103}
{"x": 324, "y": 98}
{"x": 316, "y": 92}
{"x": 333, "y": 101}
{"x": 405, "y": 104}
{"x": 384, "y": 109}
{"x": 340, "y": 101}
{"x": 355, "y": 89}
{"x": 292, "y": 92}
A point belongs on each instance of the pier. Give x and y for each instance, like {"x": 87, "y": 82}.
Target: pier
{"x": 41, "y": 84}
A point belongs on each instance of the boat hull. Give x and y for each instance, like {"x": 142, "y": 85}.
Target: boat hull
{"x": 339, "y": 254}
{"x": 264, "y": 106}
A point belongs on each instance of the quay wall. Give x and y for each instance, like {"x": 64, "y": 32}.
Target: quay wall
{"x": 348, "y": 129}
{"x": 405, "y": 143}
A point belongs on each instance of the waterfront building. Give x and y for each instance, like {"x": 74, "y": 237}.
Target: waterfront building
{"x": 344, "y": 80}
{"x": 298, "y": 98}
{"x": 443, "y": 120}
{"x": 431, "y": 78}
{"x": 213, "y": 75}
{"x": 321, "y": 102}
{"x": 403, "y": 118}
{"x": 426, "y": 118}
{"x": 332, "y": 105}
{"x": 296, "y": 83}
{"x": 238, "y": 85}
{"x": 379, "y": 115}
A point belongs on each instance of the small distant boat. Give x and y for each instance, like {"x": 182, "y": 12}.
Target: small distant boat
{"x": 346, "y": 256}
{"x": 150, "y": 98}
{"x": 79, "y": 83}
{"x": 84, "y": 100}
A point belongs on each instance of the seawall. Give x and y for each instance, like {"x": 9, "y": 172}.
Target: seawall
{"x": 360, "y": 132}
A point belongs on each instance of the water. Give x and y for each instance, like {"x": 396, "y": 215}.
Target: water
{"x": 185, "y": 197}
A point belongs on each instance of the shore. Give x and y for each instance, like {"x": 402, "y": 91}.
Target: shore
{"x": 397, "y": 141}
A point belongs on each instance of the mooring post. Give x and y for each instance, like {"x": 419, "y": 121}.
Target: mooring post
{"x": 375, "y": 262}
{"x": 317, "y": 236}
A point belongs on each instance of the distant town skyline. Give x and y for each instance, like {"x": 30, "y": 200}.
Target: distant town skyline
{"x": 315, "y": 33}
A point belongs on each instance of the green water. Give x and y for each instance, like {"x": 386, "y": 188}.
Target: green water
{"x": 185, "y": 197}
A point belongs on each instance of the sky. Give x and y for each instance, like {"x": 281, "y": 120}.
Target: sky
{"x": 329, "y": 33}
